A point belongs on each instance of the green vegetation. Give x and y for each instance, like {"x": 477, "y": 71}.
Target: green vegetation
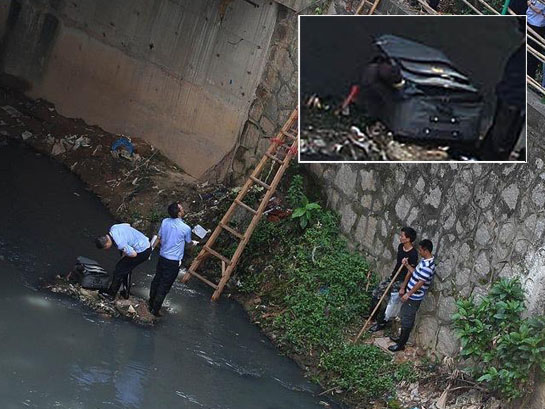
{"x": 315, "y": 289}
{"x": 305, "y": 212}
{"x": 505, "y": 348}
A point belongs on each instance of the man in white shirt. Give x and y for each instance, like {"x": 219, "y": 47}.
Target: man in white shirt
{"x": 135, "y": 249}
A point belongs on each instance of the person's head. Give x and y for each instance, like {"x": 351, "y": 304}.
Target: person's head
{"x": 175, "y": 210}
{"x": 425, "y": 247}
{"x": 103, "y": 242}
{"x": 407, "y": 235}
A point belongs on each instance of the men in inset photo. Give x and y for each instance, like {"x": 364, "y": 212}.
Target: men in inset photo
{"x": 405, "y": 250}
{"x": 412, "y": 292}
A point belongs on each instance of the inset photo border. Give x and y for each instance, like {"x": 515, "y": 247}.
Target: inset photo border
{"x": 412, "y": 89}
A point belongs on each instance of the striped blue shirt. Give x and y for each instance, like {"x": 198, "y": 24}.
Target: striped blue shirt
{"x": 128, "y": 239}
{"x": 424, "y": 271}
{"x": 174, "y": 233}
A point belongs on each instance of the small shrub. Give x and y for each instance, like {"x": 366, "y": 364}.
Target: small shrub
{"x": 306, "y": 212}
{"x": 505, "y": 348}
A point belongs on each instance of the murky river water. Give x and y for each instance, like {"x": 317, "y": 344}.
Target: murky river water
{"x": 57, "y": 354}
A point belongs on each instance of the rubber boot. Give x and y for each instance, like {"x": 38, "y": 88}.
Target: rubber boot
{"x": 502, "y": 136}
{"x": 126, "y": 287}
{"x": 403, "y": 338}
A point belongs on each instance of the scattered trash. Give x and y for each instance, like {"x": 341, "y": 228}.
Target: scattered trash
{"x": 58, "y": 148}
{"x": 314, "y": 102}
{"x": 200, "y": 231}
{"x": 82, "y": 141}
{"x": 12, "y": 112}
{"x": 26, "y": 135}
{"x": 125, "y": 143}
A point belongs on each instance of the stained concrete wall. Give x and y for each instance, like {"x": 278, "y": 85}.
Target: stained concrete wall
{"x": 486, "y": 221}
{"x": 180, "y": 73}
{"x": 276, "y": 96}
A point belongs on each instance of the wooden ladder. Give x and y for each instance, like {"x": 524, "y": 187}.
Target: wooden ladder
{"x": 281, "y": 151}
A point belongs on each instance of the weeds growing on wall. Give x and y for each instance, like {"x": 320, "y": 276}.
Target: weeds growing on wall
{"x": 318, "y": 289}
{"x": 505, "y": 348}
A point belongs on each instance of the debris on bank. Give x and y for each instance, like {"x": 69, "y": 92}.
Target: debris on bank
{"x": 134, "y": 308}
{"x": 328, "y": 135}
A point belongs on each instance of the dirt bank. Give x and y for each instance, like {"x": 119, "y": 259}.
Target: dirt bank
{"x": 136, "y": 189}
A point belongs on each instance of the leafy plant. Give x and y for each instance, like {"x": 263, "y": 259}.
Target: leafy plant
{"x": 305, "y": 212}
{"x": 364, "y": 369}
{"x": 295, "y": 191}
{"x": 505, "y": 348}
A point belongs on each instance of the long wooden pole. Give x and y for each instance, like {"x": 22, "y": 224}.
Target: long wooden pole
{"x": 378, "y": 304}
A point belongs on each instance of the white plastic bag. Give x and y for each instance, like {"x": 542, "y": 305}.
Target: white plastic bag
{"x": 393, "y": 307}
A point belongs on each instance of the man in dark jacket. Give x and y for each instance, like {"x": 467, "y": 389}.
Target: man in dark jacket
{"x": 379, "y": 76}
{"x": 405, "y": 250}
{"x": 510, "y": 113}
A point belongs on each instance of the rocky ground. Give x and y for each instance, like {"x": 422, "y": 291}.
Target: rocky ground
{"x": 136, "y": 188}
{"x": 327, "y": 135}
{"x": 134, "y": 309}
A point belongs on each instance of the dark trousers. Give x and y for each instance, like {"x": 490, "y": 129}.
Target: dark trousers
{"x": 124, "y": 267}
{"x": 408, "y": 314}
{"x": 165, "y": 275}
{"x": 533, "y": 61}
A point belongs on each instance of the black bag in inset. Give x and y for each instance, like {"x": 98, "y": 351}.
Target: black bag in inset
{"x": 436, "y": 101}
{"x": 90, "y": 275}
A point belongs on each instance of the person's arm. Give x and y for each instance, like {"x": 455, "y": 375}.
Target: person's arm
{"x": 188, "y": 241}
{"x": 413, "y": 290}
{"x": 410, "y": 270}
{"x": 128, "y": 251}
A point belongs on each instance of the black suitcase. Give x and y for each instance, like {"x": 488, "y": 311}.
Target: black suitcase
{"x": 90, "y": 275}
{"x": 436, "y": 103}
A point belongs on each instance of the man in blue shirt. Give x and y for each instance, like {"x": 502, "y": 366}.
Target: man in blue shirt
{"x": 135, "y": 249}
{"x": 173, "y": 236}
{"x": 412, "y": 292}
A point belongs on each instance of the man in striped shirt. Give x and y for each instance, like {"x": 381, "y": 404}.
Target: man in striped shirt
{"x": 412, "y": 292}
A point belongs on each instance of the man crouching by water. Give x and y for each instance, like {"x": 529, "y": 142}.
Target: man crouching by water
{"x": 135, "y": 249}
{"x": 173, "y": 237}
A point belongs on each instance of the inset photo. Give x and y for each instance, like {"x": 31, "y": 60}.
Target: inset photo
{"x": 412, "y": 88}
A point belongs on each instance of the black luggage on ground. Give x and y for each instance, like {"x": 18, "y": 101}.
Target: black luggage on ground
{"x": 436, "y": 102}
{"x": 90, "y": 275}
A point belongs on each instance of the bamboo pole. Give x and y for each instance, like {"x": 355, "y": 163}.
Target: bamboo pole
{"x": 379, "y": 302}
{"x": 427, "y": 7}
{"x": 535, "y": 85}
{"x": 537, "y": 54}
{"x": 362, "y": 5}
{"x": 535, "y": 36}
{"x": 472, "y": 7}
{"x": 374, "y": 7}
{"x": 489, "y": 7}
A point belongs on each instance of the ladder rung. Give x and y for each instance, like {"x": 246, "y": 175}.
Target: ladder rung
{"x": 205, "y": 280}
{"x": 268, "y": 155}
{"x": 232, "y": 231}
{"x": 218, "y": 255}
{"x": 289, "y": 135}
{"x": 238, "y": 202}
{"x": 260, "y": 182}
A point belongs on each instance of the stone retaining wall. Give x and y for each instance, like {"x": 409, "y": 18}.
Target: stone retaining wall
{"x": 486, "y": 221}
